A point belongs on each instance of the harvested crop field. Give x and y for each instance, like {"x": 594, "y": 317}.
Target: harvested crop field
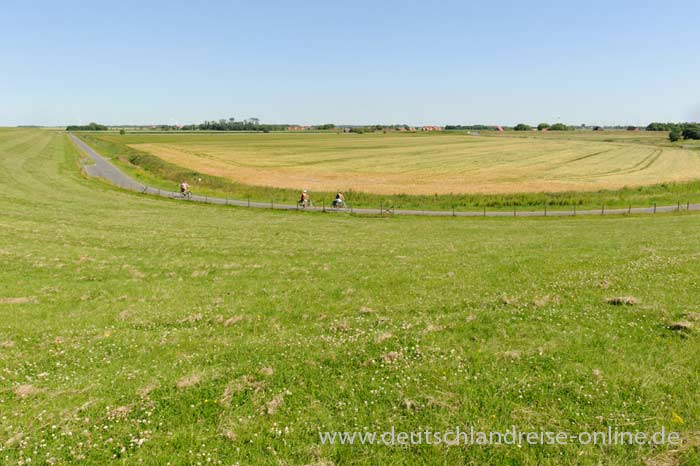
{"x": 428, "y": 164}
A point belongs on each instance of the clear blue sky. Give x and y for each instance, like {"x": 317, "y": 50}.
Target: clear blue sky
{"x": 349, "y": 62}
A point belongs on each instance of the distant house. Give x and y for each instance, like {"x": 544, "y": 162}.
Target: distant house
{"x": 297, "y": 128}
{"x": 432, "y": 128}
{"x": 499, "y": 129}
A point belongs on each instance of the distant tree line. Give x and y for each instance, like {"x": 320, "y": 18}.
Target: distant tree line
{"x": 518, "y": 127}
{"x": 251, "y": 124}
{"x": 656, "y": 126}
{"x": 374, "y": 128}
{"x": 677, "y": 131}
{"x": 554, "y": 127}
{"x": 687, "y": 131}
{"x": 88, "y": 127}
{"x": 468, "y": 127}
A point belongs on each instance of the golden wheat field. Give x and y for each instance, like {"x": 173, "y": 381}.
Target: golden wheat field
{"x": 398, "y": 163}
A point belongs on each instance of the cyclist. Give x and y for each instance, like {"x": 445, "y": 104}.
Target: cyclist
{"x": 185, "y": 189}
{"x": 304, "y": 199}
{"x": 339, "y": 200}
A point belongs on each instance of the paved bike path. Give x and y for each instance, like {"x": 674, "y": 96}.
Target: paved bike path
{"x": 102, "y": 168}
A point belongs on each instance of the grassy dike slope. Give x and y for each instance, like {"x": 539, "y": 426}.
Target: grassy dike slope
{"x": 137, "y": 329}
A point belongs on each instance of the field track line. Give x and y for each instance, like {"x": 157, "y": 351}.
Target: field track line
{"x": 102, "y": 168}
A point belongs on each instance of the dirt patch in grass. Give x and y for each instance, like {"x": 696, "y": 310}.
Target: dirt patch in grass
{"x": 14, "y": 439}
{"x": 622, "y": 301}
{"x": 341, "y": 326}
{"x": 322, "y": 463}
{"x": 382, "y": 337}
{"x": 19, "y": 300}
{"x": 229, "y": 434}
{"x": 119, "y": 412}
{"x": 188, "y": 381}
{"x": 24, "y": 391}
{"x": 430, "y": 328}
{"x": 672, "y": 456}
{"x": 192, "y": 319}
{"x": 244, "y": 382}
{"x": 681, "y": 326}
{"x": 545, "y": 300}
{"x": 390, "y": 357}
{"x": 509, "y": 301}
{"x": 145, "y": 391}
{"x": 231, "y": 321}
{"x": 275, "y": 403}
{"x": 409, "y": 405}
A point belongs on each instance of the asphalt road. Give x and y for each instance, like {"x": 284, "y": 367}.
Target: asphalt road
{"x": 102, "y": 168}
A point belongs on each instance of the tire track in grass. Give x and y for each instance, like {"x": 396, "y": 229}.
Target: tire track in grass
{"x": 640, "y": 166}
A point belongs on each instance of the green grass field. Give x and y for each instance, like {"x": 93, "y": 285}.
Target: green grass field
{"x": 139, "y": 330}
{"x": 425, "y": 171}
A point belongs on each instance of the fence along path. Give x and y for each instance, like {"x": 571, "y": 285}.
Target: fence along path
{"x": 102, "y": 168}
